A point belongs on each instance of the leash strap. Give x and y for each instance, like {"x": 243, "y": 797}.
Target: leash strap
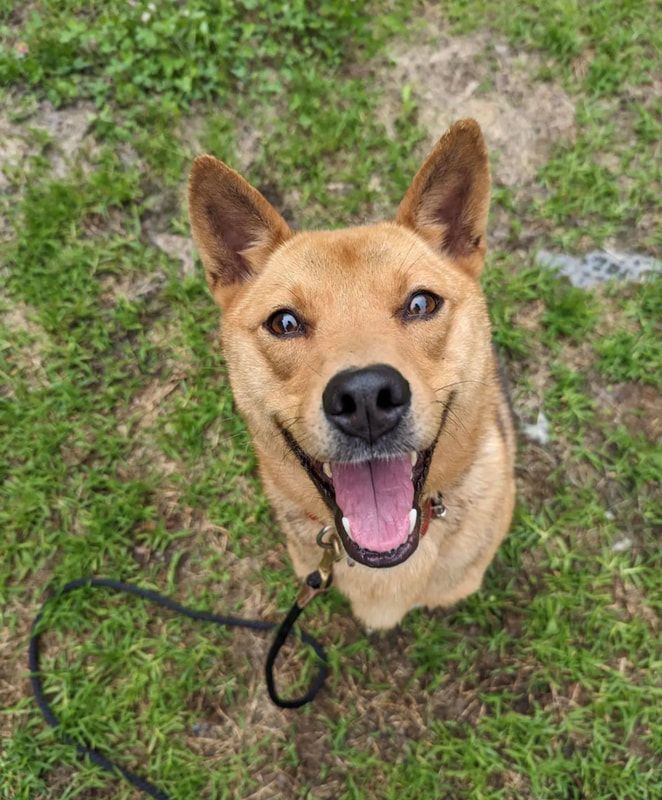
{"x": 315, "y": 583}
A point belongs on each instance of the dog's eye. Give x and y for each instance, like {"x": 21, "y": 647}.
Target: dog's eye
{"x": 284, "y": 323}
{"x": 422, "y": 305}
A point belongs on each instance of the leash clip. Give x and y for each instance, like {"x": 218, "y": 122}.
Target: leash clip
{"x": 321, "y": 579}
{"x": 437, "y": 508}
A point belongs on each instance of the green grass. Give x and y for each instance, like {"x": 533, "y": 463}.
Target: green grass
{"x": 121, "y": 454}
{"x": 617, "y": 37}
{"x": 605, "y": 53}
{"x": 626, "y": 354}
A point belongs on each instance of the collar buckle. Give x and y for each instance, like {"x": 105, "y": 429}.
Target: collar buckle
{"x": 437, "y": 508}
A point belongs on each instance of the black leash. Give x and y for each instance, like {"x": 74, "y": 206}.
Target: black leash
{"x": 317, "y": 582}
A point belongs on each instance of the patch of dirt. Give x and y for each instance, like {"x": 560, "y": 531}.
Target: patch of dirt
{"x": 284, "y": 202}
{"x": 13, "y": 149}
{"x": 27, "y": 357}
{"x": 19, "y": 612}
{"x": 516, "y": 785}
{"x": 177, "y": 247}
{"x": 635, "y": 405}
{"x": 146, "y": 404}
{"x": 476, "y": 76}
{"x": 138, "y": 423}
{"x": 162, "y": 205}
{"x": 14, "y": 681}
{"x": 631, "y": 601}
{"x": 67, "y": 130}
{"x": 60, "y": 779}
{"x": 194, "y": 131}
{"x": 248, "y": 145}
{"x": 131, "y": 286}
{"x": 136, "y": 287}
{"x": 534, "y": 472}
{"x": 146, "y": 457}
{"x": 112, "y": 221}
{"x": 531, "y": 377}
{"x": 312, "y": 742}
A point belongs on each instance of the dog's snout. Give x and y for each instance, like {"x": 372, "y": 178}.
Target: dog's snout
{"x": 367, "y": 402}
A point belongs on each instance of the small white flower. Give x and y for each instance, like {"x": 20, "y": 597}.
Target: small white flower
{"x": 151, "y": 6}
{"x": 145, "y": 17}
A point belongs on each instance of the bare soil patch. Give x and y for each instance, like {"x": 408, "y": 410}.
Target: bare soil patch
{"x": 476, "y": 76}
{"x": 67, "y": 130}
{"x": 28, "y": 356}
{"x": 635, "y": 405}
{"x": 177, "y": 247}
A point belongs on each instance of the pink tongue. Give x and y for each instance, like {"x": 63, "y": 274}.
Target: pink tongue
{"x": 376, "y": 497}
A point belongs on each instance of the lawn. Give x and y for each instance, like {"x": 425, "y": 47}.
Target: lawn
{"x": 121, "y": 455}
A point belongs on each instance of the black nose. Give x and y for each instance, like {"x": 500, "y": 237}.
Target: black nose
{"x": 366, "y": 402}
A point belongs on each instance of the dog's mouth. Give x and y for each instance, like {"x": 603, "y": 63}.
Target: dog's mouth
{"x": 375, "y": 503}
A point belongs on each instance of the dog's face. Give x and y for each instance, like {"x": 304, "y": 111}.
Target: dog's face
{"x": 349, "y": 346}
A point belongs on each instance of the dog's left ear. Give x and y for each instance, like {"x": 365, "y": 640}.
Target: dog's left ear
{"x": 448, "y": 200}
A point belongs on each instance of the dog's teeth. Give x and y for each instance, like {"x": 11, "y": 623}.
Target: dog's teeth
{"x": 413, "y": 515}
{"x": 414, "y": 457}
{"x": 345, "y": 524}
{"x": 326, "y": 468}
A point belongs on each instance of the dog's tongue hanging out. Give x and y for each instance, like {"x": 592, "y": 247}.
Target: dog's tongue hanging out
{"x": 377, "y": 498}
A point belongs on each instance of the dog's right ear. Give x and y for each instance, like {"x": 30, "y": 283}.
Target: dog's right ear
{"x": 234, "y": 227}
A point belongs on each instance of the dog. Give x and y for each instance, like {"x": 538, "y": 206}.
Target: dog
{"x": 362, "y": 362}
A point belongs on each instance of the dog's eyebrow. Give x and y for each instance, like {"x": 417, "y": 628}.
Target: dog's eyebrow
{"x": 298, "y": 295}
{"x": 402, "y": 278}
{"x": 292, "y": 297}
{"x": 406, "y": 271}
{"x": 292, "y": 290}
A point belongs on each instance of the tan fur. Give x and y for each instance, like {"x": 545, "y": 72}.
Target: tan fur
{"x": 349, "y": 286}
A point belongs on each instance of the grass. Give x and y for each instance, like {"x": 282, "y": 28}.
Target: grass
{"x": 627, "y": 352}
{"x": 605, "y": 53}
{"x": 121, "y": 454}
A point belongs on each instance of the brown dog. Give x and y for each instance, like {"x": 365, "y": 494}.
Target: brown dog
{"x": 362, "y": 362}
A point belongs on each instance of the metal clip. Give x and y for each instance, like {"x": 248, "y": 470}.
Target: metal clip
{"x": 320, "y": 580}
{"x": 437, "y": 508}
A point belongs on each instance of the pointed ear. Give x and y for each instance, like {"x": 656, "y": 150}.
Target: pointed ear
{"x": 234, "y": 228}
{"x": 448, "y": 200}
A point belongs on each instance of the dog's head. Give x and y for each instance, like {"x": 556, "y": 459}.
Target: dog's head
{"x": 352, "y": 347}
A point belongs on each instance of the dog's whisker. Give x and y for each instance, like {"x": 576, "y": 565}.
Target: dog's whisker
{"x": 411, "y": 247}
{"x": 238, "y": 435}
{"x": 288, "y": 424}
{"x": 312, "y": 369}
{"x": 451, "y": 415}
{"x": 459, "y": 383}
{"x": 406, "y": 272}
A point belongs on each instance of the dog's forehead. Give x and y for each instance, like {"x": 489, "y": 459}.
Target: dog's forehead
{"x": 376, "y": 252}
